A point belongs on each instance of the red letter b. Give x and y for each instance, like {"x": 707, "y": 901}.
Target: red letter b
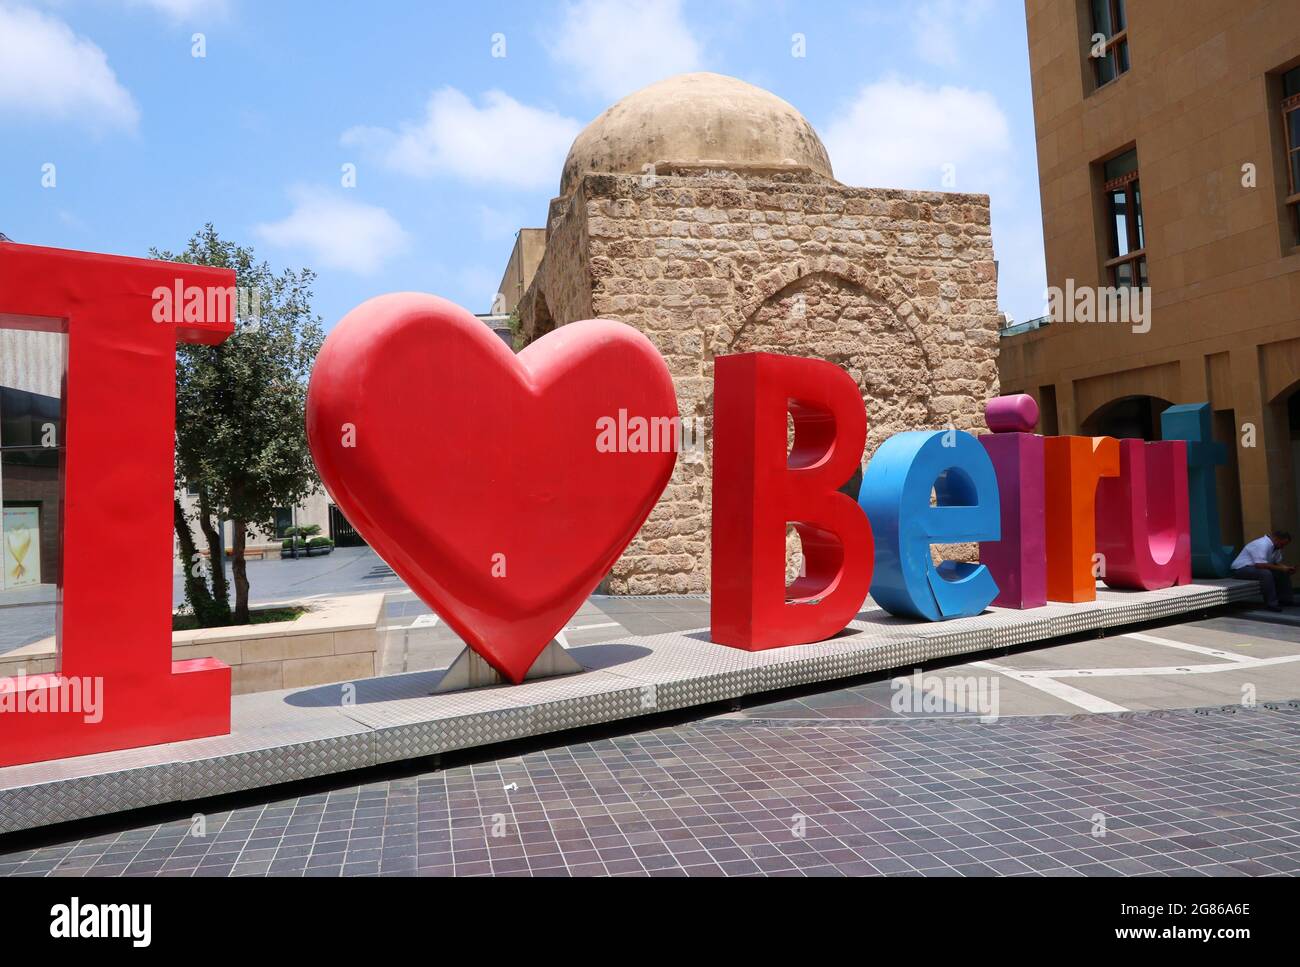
{"x": 757, "y": 490}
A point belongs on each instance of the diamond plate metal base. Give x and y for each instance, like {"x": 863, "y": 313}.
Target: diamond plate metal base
{"x": 303, "y": 733}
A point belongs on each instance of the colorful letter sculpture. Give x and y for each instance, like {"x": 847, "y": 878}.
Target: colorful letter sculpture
{"x": 1017, "y": 562}
{"x": 476, "y": 473}
{"x": 896, "y": 497}
{"x": 502, "y": 488}
{"x": 1191, "y": 422}
{"x": 757, "y": 491}
{"x": 1074, "y": 465}
{"x": 115, "y": 641}
{"x": 1142, "y": 518}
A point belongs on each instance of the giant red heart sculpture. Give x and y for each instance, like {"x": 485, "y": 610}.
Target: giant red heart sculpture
{"x": 484, "y": 479}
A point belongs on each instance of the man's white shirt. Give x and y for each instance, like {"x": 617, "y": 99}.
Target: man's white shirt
{"x": 1261, "y": 551}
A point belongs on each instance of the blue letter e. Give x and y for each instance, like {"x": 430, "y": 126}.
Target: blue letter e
{"x": 896, "y": 497}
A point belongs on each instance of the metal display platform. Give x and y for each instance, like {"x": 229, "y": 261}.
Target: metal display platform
{"x": 304, "y": 733}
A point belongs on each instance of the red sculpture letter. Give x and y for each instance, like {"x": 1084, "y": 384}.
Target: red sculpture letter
{"x": 1143, "y": 524}
{"x": 120, "y": 415}
{"x": 757, "y": 491}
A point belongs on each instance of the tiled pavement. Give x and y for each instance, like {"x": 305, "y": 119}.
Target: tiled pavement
{"x": 417, "y": 641}
{"x": 1183, "y": 793}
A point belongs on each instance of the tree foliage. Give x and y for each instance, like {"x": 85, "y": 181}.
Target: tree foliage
{"x": 241, "y": 442}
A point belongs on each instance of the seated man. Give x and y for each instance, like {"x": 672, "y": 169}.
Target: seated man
{"x": 1261, "y": 560}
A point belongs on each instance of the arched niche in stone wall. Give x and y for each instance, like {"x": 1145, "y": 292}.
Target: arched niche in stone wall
{"x": 825, "y": 315}
{"x": 535, "y": 319}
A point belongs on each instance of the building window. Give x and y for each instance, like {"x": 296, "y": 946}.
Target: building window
{"x": 283, "y": 520}
{"x": 1108, "y": 45}
{"x": 33, "y": 451}
{"x": 1291, "y": 134}
{"x": 1127, "y": 264}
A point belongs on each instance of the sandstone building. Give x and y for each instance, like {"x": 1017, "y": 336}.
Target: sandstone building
{"x": 1173, "y": 158}
{"x": 704, "y": 212}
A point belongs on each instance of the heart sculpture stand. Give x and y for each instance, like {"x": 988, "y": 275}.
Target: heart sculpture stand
{"x": 490, "y": 482}
{"x": 471, "y": 670}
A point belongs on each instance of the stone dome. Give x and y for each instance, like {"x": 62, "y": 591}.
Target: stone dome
{"x": 694, "y": 118}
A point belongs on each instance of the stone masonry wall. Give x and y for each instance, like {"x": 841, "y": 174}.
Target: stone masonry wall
{"x": 897, "y": 287}
{"x": 561, "y": 289}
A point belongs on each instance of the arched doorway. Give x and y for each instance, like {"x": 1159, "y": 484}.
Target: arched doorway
{"x": 1129, "y": 417}
{"x": 1283, "y": 432}
{"x": 536, "y": 321}
{"x": 1293, "y": 426}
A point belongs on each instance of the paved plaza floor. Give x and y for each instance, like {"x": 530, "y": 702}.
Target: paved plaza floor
{"x": 1184, "y": 793}
{"x": 1227, "y": 659}
{"x": 29, "y": 616}
{"x": 1173, "y": 750}
{"x": 1178, "y": 778}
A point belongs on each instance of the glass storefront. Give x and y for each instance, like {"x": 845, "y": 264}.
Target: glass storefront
{"x": 31, "y": 485}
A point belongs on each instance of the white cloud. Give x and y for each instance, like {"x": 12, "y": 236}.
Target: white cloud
{"x": 48, "y": 71}
{"x": 186, "y": 10}
{"x": 615, "y": 47}
{"x": 338, "y": 233}
{"x": 902, "y": 134}
{"x": 502, "y": 142}
{"x": 940, "y": 29}
{"x": 72, "y": 221}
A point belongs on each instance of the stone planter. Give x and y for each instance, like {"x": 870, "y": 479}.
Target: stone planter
{"x": 338, "y": 640}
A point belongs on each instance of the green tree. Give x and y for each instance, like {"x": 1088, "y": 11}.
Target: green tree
{"x": 241, "y": 440}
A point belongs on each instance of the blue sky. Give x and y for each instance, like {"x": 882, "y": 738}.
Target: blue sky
{"x": 456, "y": 148}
